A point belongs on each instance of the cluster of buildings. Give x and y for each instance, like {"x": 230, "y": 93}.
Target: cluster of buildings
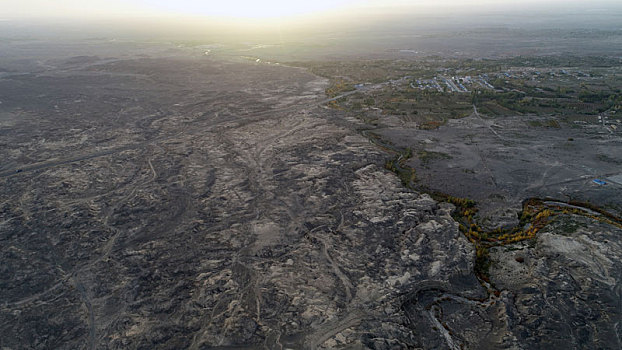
{"x": 605, "y": 122}
{"x": 462, "y": 84}
{"x": 535, "y": 73}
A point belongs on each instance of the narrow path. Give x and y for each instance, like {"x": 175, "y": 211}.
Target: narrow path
{"x": 576, "y": 179}
{"x": 75, "y": 159}
{"x": 87, "y": 302}
{"x": 442, "y": 330}
{"x": 485, "y": 165}
{"x": 155, "y": 175}
{"x": 342, "y": 277}
{"x": 476, "y": 113}
{"x": 330, "y": 329}
{"x": 34, "y": 297}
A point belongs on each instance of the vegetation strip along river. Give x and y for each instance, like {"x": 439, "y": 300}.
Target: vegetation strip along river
{"x": 535, "y": 215}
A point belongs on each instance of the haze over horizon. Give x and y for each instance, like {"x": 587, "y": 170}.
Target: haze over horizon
{"x": 277, "y": 20}
{"x": 273, "y": 9}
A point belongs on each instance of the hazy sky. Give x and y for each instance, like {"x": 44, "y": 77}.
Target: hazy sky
{"x": 251, "y": 8}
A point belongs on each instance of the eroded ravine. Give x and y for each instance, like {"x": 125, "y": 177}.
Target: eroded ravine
{"x": 536, "y": 214}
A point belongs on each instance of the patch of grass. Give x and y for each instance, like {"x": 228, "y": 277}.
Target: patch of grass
{"x": 339, "y": 87}
{"x": 407, "y": 175}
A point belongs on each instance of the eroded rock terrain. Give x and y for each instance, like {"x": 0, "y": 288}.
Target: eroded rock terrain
{"x": 220, "y": 204}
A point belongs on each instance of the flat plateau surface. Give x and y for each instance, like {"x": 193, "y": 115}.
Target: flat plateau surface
{"x": 501, "y": 161}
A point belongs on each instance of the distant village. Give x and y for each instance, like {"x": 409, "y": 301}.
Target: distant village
{"x": 453, "y": 84}
{"x": 467, "y": 83}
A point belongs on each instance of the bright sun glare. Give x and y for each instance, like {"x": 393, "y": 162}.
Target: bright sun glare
{"x": 257, "y": 9}
{"x": 244, "y": 9}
